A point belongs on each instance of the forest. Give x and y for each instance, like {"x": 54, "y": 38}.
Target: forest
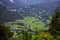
{"x": 32, "y": 28}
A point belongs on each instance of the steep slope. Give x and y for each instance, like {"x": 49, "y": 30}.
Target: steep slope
{"x": 15, "y": 4}
{"x": 40, "y": 10}
{"x": 6, "y": 15}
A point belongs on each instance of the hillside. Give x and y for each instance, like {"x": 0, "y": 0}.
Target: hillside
{"x": 6, "y": 15}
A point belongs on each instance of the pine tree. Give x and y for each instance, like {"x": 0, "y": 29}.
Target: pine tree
{"x": 55, "y": 24}
{"x": 5, "y": 32}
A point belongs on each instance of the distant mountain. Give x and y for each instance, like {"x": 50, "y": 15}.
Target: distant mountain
{"x": 43, "y": 10}
{"x": 46, "y": 6}
{"x": 12, "y": 5}
{"x": 30, "y": 2}
{"x": 7, "y": 16}
{"x": 17, "y": 4}
{"x": 13, "y": 10}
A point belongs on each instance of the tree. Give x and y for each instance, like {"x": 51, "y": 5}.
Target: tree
{"x": 55, "y": 24}
{"x": 24, "y": 35}
{"x": 5, "y": 32}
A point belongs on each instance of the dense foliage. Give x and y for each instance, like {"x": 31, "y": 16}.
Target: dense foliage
{"x": 5, "y": 32}
{"x": 55, "y": 24}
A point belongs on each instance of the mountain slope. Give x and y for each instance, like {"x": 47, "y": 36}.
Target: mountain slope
{"x": 40, "y": 10}
{"x": 12, "y": 5}
{"x": 6, "y": 15}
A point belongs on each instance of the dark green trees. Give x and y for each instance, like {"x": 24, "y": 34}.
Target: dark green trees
{"x": 55, "y": 24}
{"x": 5, "y": 32}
